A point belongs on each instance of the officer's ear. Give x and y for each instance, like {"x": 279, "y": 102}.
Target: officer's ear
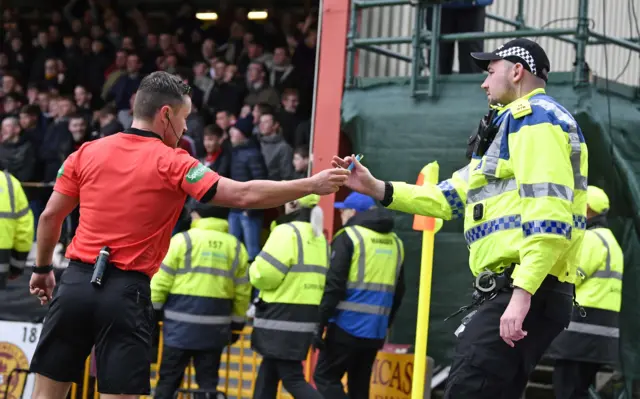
{"x": 517, "y": 72}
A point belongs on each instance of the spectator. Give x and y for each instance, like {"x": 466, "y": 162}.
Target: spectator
{"x": 83, "y": 100}
{"x": 301, "y": 162}
{"x": 255, "y": 54}
{"x": 125, "y": 116}
{"x": 9, "y": 84}
{"x": 257, "y": 111}
{"x": 32, "y": 127}
{"x": 55, "y": 78}
{"x": 282, "y": 75}
{"x": 277, "y": 154}
{"x": 246, "y": 164}
{"x": 108, "y": 122}
{"x": 217, "y": 156}
{"x": 224, "y": 120}
{"x": 259, "y": 90}
{"x": 16, "y": 152}
{"x": 11, "y": 104}
{"x": 288, "y": 116}
{"x": 127, "y": 84}
{"x": 79, "y": 129}
{"x": 56, "y": 139}
{"x": 460, "y": 16}
{"x": 114, "y": 72}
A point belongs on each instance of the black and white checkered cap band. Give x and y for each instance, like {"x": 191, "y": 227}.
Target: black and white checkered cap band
{"x": 520, "y": 53}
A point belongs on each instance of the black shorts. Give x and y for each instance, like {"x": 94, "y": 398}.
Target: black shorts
{"x": 117, "y": 318}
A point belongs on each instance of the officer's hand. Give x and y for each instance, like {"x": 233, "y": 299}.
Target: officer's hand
{"x": 42, "y": 285}
{"x": 329, "y": 181}
{"x": 360, "y": 179}
{"x": 513, "y": 317}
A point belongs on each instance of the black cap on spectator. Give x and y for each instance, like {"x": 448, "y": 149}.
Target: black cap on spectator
{"x": 522, "y": 51}
{"x": 245, "y": 126}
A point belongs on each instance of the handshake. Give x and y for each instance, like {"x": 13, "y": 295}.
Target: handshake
{"x": 358, "y": 178}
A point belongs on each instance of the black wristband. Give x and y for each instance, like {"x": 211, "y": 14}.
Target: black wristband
{"x": 42, "y": 269}
{"x": 388, "y": 194}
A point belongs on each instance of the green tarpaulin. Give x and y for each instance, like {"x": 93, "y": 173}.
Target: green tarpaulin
{"x": 399, "y": 135}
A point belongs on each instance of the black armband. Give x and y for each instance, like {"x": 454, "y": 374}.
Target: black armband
{"x": 42, "y": 269}
{"x": 388, "y": 194}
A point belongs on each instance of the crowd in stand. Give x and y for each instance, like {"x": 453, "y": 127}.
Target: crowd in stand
{"x": 72, "y": 77}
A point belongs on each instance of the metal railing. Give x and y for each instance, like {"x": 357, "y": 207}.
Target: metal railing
{"x": 581, "y": 36}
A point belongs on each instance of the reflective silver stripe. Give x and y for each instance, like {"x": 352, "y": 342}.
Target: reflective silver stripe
{"x": 362, "y": 257}
{"x": 238, "y": 319}
{"x": 281, "y": 267}
{"x": 579, "y": 181}
{"x": 309, "y": 269}
{"x": 364, "y": 308}
{"x": 491, "y": 189}
{"x": 167, "y": 269}
{"x": 187, "y": 255}
{"x": 4, "y": 267}
{"x": 493, "y": 152}
{"x": 464, "y": 173}
{"x": 538, "y": 190}
{"x": 282, "y": 325}
{"x": 17, "y": 263}
{"x": 21, "y": 213}
{"x": 196, "y": 319}
{"x": 371, "y": 287}
{"x": 299, "y": 240}
{"x": 594, "y": 329}
{"x": 157, "y": 305}
{"x": 607, "y": 272}
{"x": 12, "y": 199}
{"x": 241, "y": 280}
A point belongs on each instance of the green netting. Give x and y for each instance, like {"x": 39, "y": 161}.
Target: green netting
{"x": 399, "y": 135}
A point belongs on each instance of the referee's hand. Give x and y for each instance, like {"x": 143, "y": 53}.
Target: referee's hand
{"x": 41, "y": 285}
{"x": 329, "y": 180}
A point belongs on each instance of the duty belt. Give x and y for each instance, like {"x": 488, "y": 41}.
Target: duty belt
{"x": 487, "y": 286}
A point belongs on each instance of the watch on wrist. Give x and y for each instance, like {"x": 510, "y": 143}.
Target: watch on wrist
{"x": 42, "y": 269}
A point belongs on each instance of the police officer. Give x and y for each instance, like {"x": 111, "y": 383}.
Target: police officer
{"x": 16, "y": 225}
{"x": 365, "y": 285}
{"x": 203, "y": 288}
{"x": 290, "y": 274}
{"x": 591, "y": 341}
{"x": 523, "y": 198}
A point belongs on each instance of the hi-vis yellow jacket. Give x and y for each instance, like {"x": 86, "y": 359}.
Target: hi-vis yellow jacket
{"x": 202, "y": 286}
{"x": 524, "y": 202}
{"x": 600, "y": 271}
{"x": 16, "y": 227}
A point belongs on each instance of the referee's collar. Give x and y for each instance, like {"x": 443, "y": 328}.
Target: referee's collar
{"x": 143, "y": 133}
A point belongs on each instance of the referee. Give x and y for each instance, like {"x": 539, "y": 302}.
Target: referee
{"x": 131, "y": 188}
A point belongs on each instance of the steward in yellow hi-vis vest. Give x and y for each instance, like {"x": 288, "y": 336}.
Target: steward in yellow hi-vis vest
{"x": 290, "y": 274}
{"x": 591, "y": 341}
{"x": 203, "y": 290}
{"x": 365, "y": 286}
{"x": 16, "y": 228}
{"x": 523, "y": 198}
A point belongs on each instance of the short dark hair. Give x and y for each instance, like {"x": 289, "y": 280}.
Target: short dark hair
{"x": 264, "y": 108}
{"x": 157, "y": 90}
{"x": 273, "y": 116}
{"x": 77, "y": 116}
{"x": 302, "y": 151}
{"x": 31, "y": 110}
{"x": 213, "y": 130}
{"x": 107, "y": 110}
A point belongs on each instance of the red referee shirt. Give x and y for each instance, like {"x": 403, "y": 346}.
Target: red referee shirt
{"x": 132, "y": 188}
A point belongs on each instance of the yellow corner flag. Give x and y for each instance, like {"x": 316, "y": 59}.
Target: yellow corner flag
{"x": 429, "y": 227}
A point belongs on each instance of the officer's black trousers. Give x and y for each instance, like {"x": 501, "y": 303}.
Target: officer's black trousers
{"x": 174, "y": 362}
{"x": 334, "y": 361}
{"x": 484, "y": 366}
{"x": 290, "y": 372}
{"x": 571, "y": 379}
